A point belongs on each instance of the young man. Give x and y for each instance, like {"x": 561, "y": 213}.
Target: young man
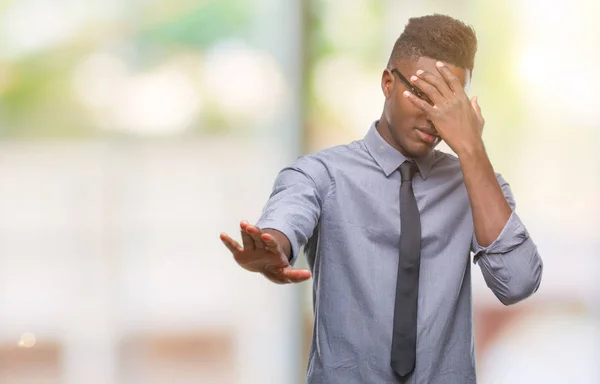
{"x": 388, "y": 224}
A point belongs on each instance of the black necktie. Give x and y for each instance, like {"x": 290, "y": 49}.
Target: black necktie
{"x": 404, "y": 339}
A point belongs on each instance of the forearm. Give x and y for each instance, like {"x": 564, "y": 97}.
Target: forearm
{"x": 508, "y": 257}
{"x": 514, "y": 274}
{"x": 489, "y": 206}
{"x": 282, "y": 240}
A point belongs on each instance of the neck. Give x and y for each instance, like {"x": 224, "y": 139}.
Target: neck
{"x": 384, "y": 130}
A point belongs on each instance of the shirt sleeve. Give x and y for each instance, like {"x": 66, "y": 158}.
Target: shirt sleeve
{"x": 294, "y": 207}
{"x": 511, "y": 265}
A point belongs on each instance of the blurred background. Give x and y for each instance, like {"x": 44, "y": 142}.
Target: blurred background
{"x": 132, "y": 132}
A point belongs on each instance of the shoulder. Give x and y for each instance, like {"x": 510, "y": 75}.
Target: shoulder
{"x": 326, "y": 160}
{"x": 335, "y": 153}
{"x": 322, "y": 167}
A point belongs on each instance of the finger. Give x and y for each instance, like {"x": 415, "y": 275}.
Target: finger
{"x": 270, "y": 243}
{"x": 246, "y": 238}
{"x": 424, "y": 106}
{"x": 428, "y": 89}
{"x": 451, "y": 79}
{"x": 255, "y": 232}
{"x": 233, "y": 246}
{"x": 436, "y": 82}
{"x": 296, "y": 275}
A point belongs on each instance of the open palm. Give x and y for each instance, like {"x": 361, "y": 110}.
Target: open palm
{"x": 261, "y": 252}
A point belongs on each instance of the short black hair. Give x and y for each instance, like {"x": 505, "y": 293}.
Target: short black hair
{"x": 439, "y": 37}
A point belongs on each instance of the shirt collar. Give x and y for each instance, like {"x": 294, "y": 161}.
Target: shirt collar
{"x": 389, "y": 158}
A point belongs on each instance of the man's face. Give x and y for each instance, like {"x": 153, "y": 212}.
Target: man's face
{"x": 409, "y": 129}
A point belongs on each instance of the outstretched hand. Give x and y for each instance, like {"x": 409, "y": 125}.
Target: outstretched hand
{"x": 262, "y": 252}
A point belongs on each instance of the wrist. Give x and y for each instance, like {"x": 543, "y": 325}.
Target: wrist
{"x": 472, "y": 150}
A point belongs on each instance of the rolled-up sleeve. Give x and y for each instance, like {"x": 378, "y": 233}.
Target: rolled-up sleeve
{"x": 511, "y": 265}
{"x": 295, "y": 204}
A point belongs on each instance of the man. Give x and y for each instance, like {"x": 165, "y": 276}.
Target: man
{"x": 388, "y": 224}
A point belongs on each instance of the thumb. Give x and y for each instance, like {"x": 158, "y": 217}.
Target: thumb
{"x": 475, "y": 105}
{"x": 477, "y": 109}
{"x": 296, "y": 275}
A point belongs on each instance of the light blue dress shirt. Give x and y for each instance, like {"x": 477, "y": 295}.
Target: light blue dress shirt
{"x": 342, "y": 205}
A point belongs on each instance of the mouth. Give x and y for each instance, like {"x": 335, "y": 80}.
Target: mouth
{"x": 428, "y": 135}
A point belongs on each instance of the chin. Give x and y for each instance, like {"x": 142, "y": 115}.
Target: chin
{"x": 412, "y": 147}
{"x": 420, "y": 150}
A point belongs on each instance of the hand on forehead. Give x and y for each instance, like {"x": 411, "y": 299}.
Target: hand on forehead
{"x": 429, "y": 65}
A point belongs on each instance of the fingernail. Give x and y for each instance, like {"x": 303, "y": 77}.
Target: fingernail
{"x": 420, "y": 72}
{"x": 406, "y": 94}
{"x": 439, "y": 64}
{"x": 414, "y": 78}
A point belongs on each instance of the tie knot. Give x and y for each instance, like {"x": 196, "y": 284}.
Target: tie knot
{"x": 408, "y": 170}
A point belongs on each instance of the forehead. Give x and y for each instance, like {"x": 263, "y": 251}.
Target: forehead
{"x": 427, "y": 64}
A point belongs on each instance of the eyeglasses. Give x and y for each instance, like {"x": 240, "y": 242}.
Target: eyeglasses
{"x": 420, "y": 94}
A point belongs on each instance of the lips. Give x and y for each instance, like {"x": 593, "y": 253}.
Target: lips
{"x": 427, "y": 135}
{"x": 428, "y": 131}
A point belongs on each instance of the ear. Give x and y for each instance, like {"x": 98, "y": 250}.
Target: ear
{"x": 387, "y": 83}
